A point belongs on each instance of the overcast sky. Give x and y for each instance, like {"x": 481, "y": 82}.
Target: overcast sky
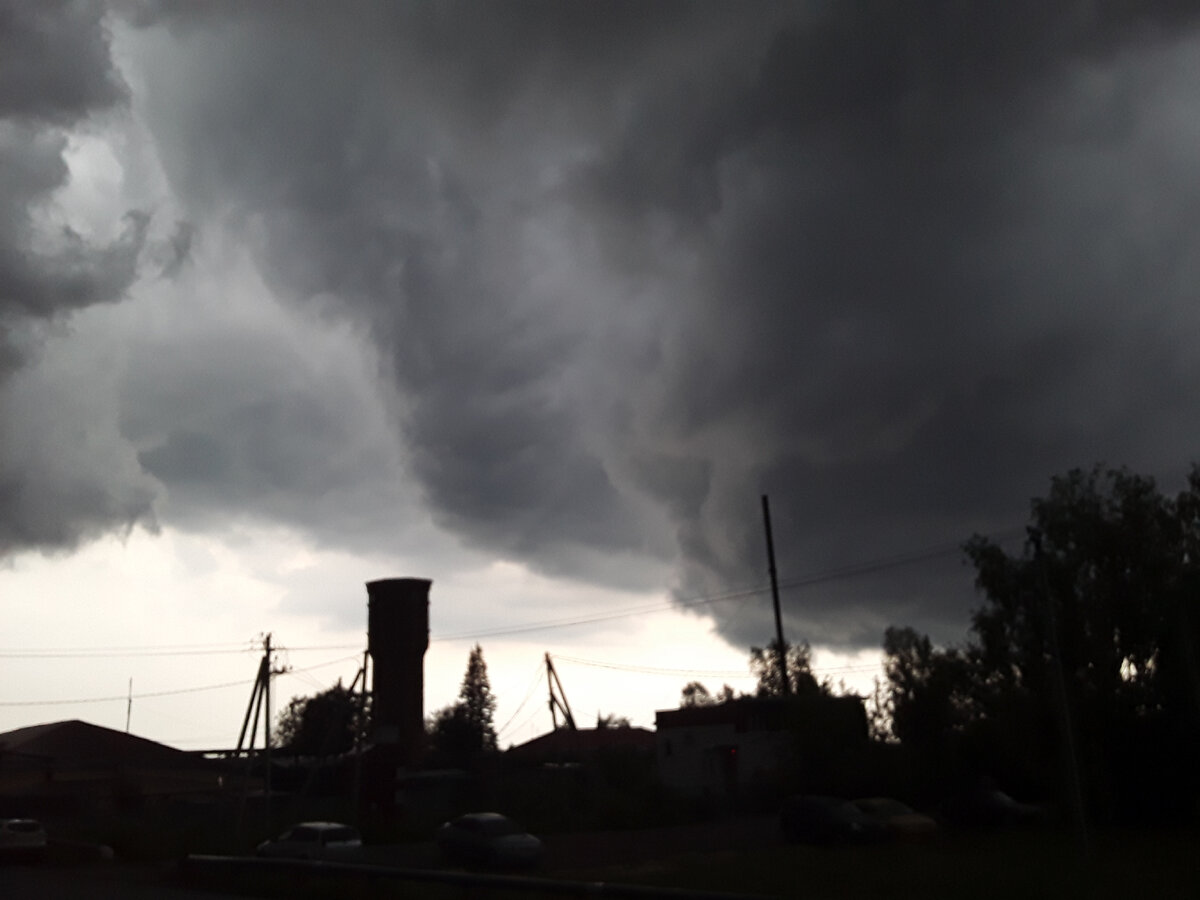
{"x": 537, "y": 299}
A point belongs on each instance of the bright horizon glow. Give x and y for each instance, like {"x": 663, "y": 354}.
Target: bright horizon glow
{"x": 184, "y": 617}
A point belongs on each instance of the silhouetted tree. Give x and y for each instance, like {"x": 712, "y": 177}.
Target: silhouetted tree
{"x": 1093, "y": 626}
{"x": 612, "y": 720}
{"x": 324, "y": 724}
{"x": 1104, "y": 560}
{"x": 930, "y": 688}
{"x": 1084, "y": 651}
{"x": 477, "y": 699}
{"x": 461, "y": 732}
{"x": 764, "y": 665}
{"x": 695, "y": 694}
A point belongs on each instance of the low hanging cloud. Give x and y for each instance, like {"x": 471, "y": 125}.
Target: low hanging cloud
{"x": 624, "y": 268}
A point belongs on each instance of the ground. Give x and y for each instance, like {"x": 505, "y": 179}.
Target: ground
{"x": 748, "y": 856}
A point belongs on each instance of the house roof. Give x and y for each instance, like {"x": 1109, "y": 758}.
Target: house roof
{"x": 764, "y": 713}
{"x": 78, "y": 741}
{"x": 585, "y": 741}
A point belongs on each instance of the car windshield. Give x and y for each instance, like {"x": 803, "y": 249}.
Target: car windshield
{"x": 884, "y": 807}
{"x": 501, "y": 827}
{"x": 25, "y": 825}
{"x": 340, "y": 835}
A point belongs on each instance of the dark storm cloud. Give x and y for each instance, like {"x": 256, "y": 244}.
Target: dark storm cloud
{"x": 630, "y": 266}
{"x": 54, "y": 60}
{"x": 59, "y": 481}
{"x": 269, "y": 423}
{"x": 952, "y": 295}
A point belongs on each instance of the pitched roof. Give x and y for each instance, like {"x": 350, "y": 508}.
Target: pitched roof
{"x": 766, "y": 713}
{"x": 81, "y": 741}
{"x": 585, "y": 741}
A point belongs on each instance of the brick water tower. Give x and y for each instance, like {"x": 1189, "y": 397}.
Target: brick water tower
{"x": 397, "y": 638}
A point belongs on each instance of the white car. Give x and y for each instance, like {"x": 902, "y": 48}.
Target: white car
{"x": 488, "y": 838}
{"x": 313, "y": 841}
{"x": 22, "y": 838}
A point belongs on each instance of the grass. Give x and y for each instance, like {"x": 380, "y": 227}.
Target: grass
{"x": 1163, "y": 865}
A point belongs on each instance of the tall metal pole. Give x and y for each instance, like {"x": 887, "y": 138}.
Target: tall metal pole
{"x": 780, "y": 645}
{"x": 129, "y": 705}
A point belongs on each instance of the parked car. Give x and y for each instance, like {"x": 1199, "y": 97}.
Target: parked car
{"x": 987, "y": 807}
{"x": 22, "y": 839}
{"x": 488, "y": 839}
{"x": 314, "y": 840}
{"x": 901, "y": 820}
{"x": 814, "y": 819}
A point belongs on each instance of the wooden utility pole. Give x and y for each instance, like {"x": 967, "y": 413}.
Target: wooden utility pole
{"x": 558, "y": 702}
{"x": 360, "y": 727}
{"x": 259, "y": 705}
{"x": 783, "y": 671}
{"x": 1062, "y": 705}
{"x": 267, "y": 728}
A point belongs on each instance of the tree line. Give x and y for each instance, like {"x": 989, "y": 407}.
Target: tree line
{"x": 1079, "y": 676}
{"x": 1079, "y": 673}
{"x": 334, "y": 721}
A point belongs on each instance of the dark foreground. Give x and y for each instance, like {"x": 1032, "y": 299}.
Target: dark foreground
{"x": 746, "y": 856}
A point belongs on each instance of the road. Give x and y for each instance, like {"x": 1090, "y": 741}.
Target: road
{"x": 566, "y": 855}
{"x": 93, "y": 882}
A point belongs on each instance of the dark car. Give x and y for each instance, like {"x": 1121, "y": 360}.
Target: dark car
{"x": 815, "y": 819}
{"x": 489, "y": 839}
{"x": 987, "y": 807}
{"x": 313, "y": 841}
{"x": 23, "y": 839}
{"x": 900, "y": 819}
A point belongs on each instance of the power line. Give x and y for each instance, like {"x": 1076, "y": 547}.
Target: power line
{"x": 109, "y": 654}
{"x": 164, "y": 650}
{"x": 191, "y": 690}
{"x": 170, "y": 693}
{"x": 823, "y": 577}
{"x": 835, "y": 574}
{"x": 602, "y": 617}
{"x": 358, "y": 646}
{"x": 709, "y": 673}
{"x": 529, "y": 718}
{"x": 839, "y": 573}
{"x": 537, "y": 679}
{"x": 653, "y": 670}
{"x": 891, "y": 562}
{"x": 134, "y": 647}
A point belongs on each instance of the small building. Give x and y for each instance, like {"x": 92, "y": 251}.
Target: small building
{"x": 74, "y": 765}
{"x": 750, "y": 744}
